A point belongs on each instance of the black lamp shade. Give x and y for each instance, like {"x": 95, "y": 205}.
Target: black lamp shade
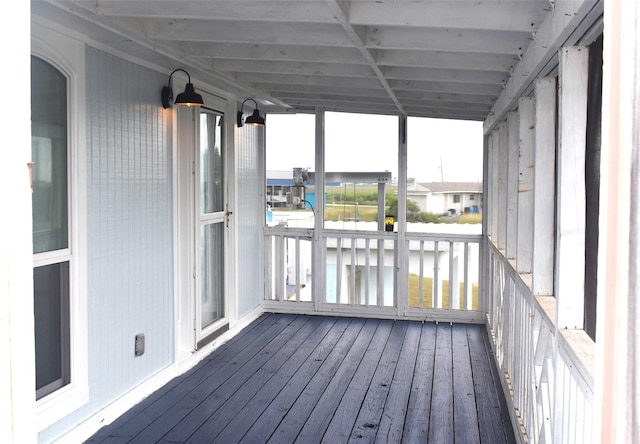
{"x": 189, "y": 97}
{"x": 255, "y": 119}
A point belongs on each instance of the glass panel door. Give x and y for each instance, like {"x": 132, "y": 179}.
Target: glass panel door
{"x": 210, "y": 306}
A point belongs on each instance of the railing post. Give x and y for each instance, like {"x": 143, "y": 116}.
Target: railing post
{"x": 319, "y": 264}
{"x": 402, "y": 260}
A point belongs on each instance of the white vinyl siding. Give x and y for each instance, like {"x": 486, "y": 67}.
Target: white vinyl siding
{"x": 130, "y": 224}
{"x": 250, "y": 144}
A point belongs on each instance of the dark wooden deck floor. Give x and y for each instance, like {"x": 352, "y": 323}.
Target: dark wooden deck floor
{"x": 308, "y": 379}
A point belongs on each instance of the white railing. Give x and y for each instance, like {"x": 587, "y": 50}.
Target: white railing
{"x": 551, "y": 398}
{"x": 288, "y": 264}
{"x": 429, "y": 276}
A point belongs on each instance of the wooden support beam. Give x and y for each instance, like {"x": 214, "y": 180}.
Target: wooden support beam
{"x": 494, "y": 143}
{"x": 524, "y": 254}
{"x": 571, "y": 194}
{"x": 558, "y": 29}
{"x": 616, "y": 406}
{"x": 544, "y": 186}
{"x": 513, "y": 128}
{"x": 319, "y": 243}
{"x": 502, "y": 185}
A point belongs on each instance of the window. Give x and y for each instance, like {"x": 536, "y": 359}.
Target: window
{"x": 290, "y": 160}
{"x": 472, "y": 197}
{"x": 456, "y": 198}
{"x": 59, "y": 177}
{"x": 361, "y": 170}
{"x": 52, "y": 255}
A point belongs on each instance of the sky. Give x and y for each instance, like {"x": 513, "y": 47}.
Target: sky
{"x": 438, "y": 149}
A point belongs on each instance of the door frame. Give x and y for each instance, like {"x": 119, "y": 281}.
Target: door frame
{"x": 184, "y": 134}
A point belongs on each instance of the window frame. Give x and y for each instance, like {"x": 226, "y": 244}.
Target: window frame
{"x": 68, "y": 56}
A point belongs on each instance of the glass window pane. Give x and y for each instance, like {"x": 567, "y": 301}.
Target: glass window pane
{"x": 361, "y": 152}
{"x": 211, "y": 164}
{"x": 212, "y": 273}
{"x": 49, "y": 156}
{"x": 51, "y": 310}
{"x": 290, "y": 158}
{"x": 444, "y": 175}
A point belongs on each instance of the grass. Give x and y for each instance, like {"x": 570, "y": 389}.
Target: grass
{"x": 467, "y": 218}
{"x": 348, "y": 212}
{"x": 427, "y": 297}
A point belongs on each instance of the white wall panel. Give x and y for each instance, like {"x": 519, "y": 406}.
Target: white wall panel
{"x": 250, "y": 218}
{"x": 130, "y": 222}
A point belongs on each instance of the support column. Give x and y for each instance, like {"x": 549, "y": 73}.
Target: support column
{"x": 319, "y": 248}
{"x": 544, "y": 186}
{"x": 513, "y": 125}
{"x": 402, "y": 250}
{"x": 524, "y": 254}
{"x": 17, "y": 376}
{"x": 571, "y": 201}
{"x": 502, "y": 185}
{"x": 617, "y": 380}
{"x": 487, "y": 186}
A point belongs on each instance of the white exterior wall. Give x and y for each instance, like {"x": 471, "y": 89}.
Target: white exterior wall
{"x": 129, "y": 231}
{"x": 250, "y": 218}
{"x": 439, "y": 203}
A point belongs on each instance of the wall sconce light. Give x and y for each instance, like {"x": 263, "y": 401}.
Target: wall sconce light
{"x": 254, "y": 119}
{"x": 187, "y": 98}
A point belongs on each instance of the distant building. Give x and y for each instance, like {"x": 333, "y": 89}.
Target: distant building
{"x": 441, "y": 197}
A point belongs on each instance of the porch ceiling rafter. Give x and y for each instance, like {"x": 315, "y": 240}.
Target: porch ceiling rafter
{"x": 425, "y": 57}
{"x": 565, "y": 25}
{"x": 358, "y": 41}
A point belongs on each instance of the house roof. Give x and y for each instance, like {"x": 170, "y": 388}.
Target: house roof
{"x": 446, "y": 187}
{"x": 445, "y": 59}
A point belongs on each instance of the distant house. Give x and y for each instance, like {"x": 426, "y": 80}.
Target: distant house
{"x": 440, "y": 197}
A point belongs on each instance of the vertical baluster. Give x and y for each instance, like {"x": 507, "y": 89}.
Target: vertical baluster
{"x": 298, "y": 283}
{"x": 339, "y": 270}
{"x": 367, "y": 270}
{"x": 468, "y": 297}
{"x": 454, "y": 284}
{"x": 352, "y": 279}
{"x": 380, "y": 286}
{"x": 421, "y": 277}
{"x": 268, "y": 269}
{"x": 436, "y": 303}
{"x": 281, "y": 268}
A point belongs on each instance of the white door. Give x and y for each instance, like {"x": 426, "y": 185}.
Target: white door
{"x": 211, "y": 228}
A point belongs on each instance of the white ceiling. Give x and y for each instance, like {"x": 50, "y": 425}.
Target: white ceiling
{"x": 446, "y": 58}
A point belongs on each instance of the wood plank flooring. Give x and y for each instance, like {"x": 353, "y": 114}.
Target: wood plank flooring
{"x": 312, "y": 379}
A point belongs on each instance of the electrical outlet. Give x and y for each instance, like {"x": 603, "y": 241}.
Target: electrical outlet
{"x": 139, "y": 348}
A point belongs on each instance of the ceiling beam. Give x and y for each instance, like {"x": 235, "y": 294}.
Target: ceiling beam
{"x": 287, "y": 79}
{"x": 519, "y": 16}
{"x": 449, "y": 60}
{"x": 268, "y": 52}
{"x": 450, "y": 40}
{"x": 558, "y": 29}
{"x": 277, "y": 89}
{"x": 486, "y": 100}
{"x": 451, "y": 75}
{"x": 448, "y": 87}
{"x": 225, "y": 31}
{"x": 261, "y": 10}
{"x": 293, "y": 68}
{"x": 359, "y": 44}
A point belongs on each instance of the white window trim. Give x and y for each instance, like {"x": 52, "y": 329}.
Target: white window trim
{"x": 68, "y": 55}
